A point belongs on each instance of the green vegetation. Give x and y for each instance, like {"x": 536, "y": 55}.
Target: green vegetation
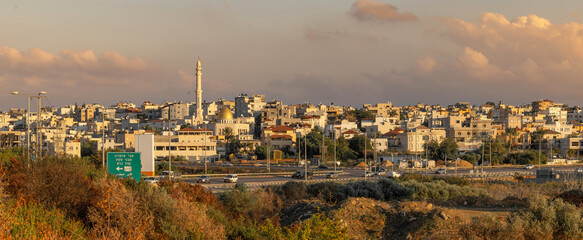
{"x": 73, "y": 198}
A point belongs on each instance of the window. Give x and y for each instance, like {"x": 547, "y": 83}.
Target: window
{"x": 575, "y": 144}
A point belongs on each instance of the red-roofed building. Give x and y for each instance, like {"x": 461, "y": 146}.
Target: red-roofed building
{"x": 350, "y": 133}
{"x": 279, "y": 136}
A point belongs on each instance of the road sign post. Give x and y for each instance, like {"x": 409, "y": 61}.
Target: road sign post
{"x": 124, "y": 164}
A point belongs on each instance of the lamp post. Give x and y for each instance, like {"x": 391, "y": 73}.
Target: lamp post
{"x": 365, "y": 155}
{"x": 335, "y": 161}
{"x": 28, "y": 97}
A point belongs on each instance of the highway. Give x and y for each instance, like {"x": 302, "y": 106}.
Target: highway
{"x": 348, "y": 174}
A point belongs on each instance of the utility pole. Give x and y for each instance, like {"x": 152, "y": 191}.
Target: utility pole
{"x": 27, "y": 128}
{"x": 306, "y": 157}
{"x": 38, "y": 127}
{"x": 268, "y": 155}
{"x": 170, "y": 173}
{"x": 539, "y": 150}
{"x": 204, "y": 151}
{"x": 364, "y": 155}
{"x": 323, "y": 150}
{"x": 103, "y": 140}
{"x": 335, "y": 161}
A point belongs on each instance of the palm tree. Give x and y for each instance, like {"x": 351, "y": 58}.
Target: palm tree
{"x": 229, "y": 137}
{"x": 511, "y": 134}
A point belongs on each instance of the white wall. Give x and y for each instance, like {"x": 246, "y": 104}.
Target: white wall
{"x": 145, "y": 146}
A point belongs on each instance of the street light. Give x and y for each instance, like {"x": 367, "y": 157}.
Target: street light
{"x": 28, "y": 97}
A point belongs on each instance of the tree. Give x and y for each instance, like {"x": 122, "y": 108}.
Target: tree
{"x": 438, "y": 151}
{"x": 343, "y": 150}
{"x": 494, "y": 149}
{"x": 229, "y": 138}
{"x": 88, "y": 148}
{"x": 448, "y": 148}
{"x": 261, "y": 152}
{"x": 357, "y": 145}
{"x": 432, "y": 149}
{"x": 314, "y": 142}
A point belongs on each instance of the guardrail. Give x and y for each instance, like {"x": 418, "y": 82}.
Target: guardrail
{"x": 259, "y": 174}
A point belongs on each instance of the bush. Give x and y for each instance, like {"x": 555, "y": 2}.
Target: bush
{"x": 239, "y": 201}
{"x": 319, "y": 227}
{"x": 427, "y": 178}
{"x": 440, "y": 190}
{"x": 33, "y": 221}
{"x": 548, "y": 219}
{"x": 193, "y": 193}
{"x": 328, "y": 192}
{"x": 118, "y": 213}
{"x": 293, "y": 191}
{"x": 176, "y": 218}
{"x": 64, "y": 183}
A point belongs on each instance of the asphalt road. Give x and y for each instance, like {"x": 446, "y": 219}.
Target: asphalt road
{"x": 357, "y": 173}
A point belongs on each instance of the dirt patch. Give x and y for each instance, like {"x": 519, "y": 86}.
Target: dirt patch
{"x": 364, "y": 218}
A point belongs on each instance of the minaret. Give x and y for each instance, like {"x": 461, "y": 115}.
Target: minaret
{"x": 199, "y": 116}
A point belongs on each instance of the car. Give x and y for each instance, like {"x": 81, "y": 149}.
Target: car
{"x": 226, "y": 164}
{"x": 301, "y": 175}
{"x": 231, "y": 178}
{"x": 204, "y": 179}
{"x": 367, "y": 174}
{"x": 529, "y": 166}
{"x": 441, "y": 171}
{"x": 380, "y": 172}
{"x": 323, "y": 167}
{"x": 169, "y": 174}
{"x": 393, "y": 174}
{"x": 332, "y": 175}
{"x": 152, "y": 179}
{"x": 579, "y": 170}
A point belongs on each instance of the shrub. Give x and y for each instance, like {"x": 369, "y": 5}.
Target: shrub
{"x": 64, "y": 183}
{"x": 325, "y": 191}
{"x": 319, "y": 227}
{"x": 177, "y": 218}
{"x": 193, "y": 193}
{"x": 427, "y": 178}
{"x": 384, "y": 190}
{"x": 239, "y": 201}
{"x": 393, "y": 190}
{"x": 440, "y": 190}
{"x": 33, "y": 221}
{"x": 548, "y": 219}
{"x": 293, "y": 191}
{"x": 118, "y": 214}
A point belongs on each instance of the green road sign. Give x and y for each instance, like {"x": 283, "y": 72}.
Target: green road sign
{"x": 124, "y": 164}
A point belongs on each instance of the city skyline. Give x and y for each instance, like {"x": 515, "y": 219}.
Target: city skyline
{"x": 345, "y": 52}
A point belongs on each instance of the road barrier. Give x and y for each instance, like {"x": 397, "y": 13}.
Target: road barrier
{"x": 258, "y": 174}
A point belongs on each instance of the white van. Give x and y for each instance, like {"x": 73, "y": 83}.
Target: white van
{"x": 231, "y": 178}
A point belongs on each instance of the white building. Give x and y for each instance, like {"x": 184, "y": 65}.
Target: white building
{"x": 192, "y": 144}
{"x": 246, "y": 106}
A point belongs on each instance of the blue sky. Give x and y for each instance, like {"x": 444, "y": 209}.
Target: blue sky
{"x": 346, "y": 52}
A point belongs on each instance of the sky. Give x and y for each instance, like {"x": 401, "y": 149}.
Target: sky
{"x": 346, "y": 52}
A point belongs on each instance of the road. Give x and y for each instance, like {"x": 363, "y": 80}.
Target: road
{"x": 348, "y": 174}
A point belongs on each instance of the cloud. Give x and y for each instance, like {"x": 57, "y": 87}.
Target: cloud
{"x": 83, "y": 64}
{"x": 368, "y": 10}
{"x": 530, "y": 47}
{"x": 71, "y": 76}
{"x": 425, "y": 64}
{"x": 516, "y": 61}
